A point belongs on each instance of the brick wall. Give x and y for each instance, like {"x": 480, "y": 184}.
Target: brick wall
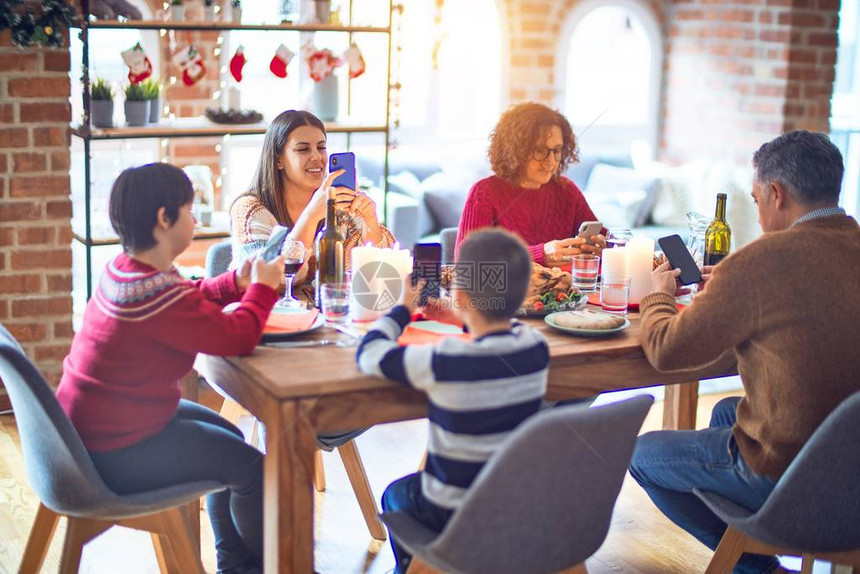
{"x": 35, "y": 210}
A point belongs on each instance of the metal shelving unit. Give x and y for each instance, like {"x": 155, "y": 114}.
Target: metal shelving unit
{"x": 201, "y": 127}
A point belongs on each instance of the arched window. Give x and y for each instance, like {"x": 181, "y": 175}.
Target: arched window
{"x": 608, "y": 73}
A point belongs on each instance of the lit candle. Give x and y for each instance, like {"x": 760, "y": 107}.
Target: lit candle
{"x": 614, "y": 264}
{"x": 639, "y": 264}
{"x": 377, "y": 278}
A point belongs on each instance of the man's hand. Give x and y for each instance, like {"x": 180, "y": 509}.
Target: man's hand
{"x": 268, "y": 273}
{"x": 707, "y": 272}
{"x": 664, "y": 279}
{"x": 243, "y": 276}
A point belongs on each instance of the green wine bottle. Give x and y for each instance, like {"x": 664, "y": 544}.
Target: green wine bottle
{"x": 329, "y": 250}
{"x": 718, "y": 236}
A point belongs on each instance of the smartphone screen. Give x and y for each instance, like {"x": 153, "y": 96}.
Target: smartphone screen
{"x": 427, "y": 265}
{"x": 679, "y": 258}
{"x": 345, "y": 160}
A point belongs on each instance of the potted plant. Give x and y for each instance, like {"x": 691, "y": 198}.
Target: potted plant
{"x": 136, "y": 105}
{"x": 177, "y": 10}
{"x": 153, "y": 90}
{"x": 209, "y": 9}
{"x": 236, "y": 6}
{"x": 101, "y": 104}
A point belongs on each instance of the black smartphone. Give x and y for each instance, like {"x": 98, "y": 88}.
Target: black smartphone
{"x": 679, "y": 258}
{"x": 427, "y": 265}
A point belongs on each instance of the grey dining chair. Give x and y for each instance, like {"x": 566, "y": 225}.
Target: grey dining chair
{"x": 542, "y": 503}
{"x": 61, "y": 473}
{"x": 814, "y": 510}
{"x": 218, "y": 258}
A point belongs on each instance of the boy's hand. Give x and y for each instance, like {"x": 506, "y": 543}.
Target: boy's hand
{"x": 243, "y": 276}
{"x": 441, "y": 310}
{"x": 411, "y": 295}
{"x": 268, "y": 273}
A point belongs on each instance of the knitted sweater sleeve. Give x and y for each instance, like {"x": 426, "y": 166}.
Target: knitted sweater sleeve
{"x": 250, "y": 226}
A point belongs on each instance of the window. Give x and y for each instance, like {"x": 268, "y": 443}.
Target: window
{"x": 845, "y": 104}
{"x": 608, "y": 71}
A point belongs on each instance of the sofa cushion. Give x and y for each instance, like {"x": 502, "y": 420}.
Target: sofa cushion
{"x": 445, "y": 195}
{"x": 620, "y": 195}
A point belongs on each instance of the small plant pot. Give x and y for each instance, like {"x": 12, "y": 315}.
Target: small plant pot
{"x": 177, "y": 12}
{"x": 154, "y": 110}
{"x": 101, "y": 113}
{"x": 137, "y": 112}
{"x": 209, "y": 13}
{"x": 322, "y": 11}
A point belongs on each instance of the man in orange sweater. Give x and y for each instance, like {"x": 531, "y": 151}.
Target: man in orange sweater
{"x": 788, "y": 308}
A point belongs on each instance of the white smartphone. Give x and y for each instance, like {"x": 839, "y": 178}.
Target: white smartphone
{"x": 589, "y": 228}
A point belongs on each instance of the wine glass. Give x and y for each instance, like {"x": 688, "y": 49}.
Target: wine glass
{"x": 294, "y": 256}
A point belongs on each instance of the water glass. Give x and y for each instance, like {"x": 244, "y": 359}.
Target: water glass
{"x": 335, "y": 302}
{"x": 618, "y": 237}
{"x": 614, "y": 292}
{"x": 585, "y": 269}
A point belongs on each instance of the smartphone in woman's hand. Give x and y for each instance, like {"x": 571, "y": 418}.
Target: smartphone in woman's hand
{"x": 344, "y": 161}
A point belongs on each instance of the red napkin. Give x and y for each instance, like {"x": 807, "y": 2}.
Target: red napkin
{"x": 290, "y": 322}
{"x": 413, "y": 335}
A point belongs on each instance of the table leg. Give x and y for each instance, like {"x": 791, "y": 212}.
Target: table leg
{"x": 288, "y": 505}
{"x": 192, "y": 510}
{"x": 679, "y": 406}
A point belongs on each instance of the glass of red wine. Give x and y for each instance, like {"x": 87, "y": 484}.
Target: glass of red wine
{"x": 294, "y": 256}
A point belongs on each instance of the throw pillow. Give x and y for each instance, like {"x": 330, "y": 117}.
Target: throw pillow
{"x": 634, "y": 192}
{"x": 445, "y": 195}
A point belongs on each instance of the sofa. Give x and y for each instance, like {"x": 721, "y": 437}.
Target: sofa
{"x": 428, "y": 189}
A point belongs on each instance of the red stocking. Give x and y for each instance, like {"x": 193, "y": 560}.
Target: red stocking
{"x": 237, "y": 63}
{"x": 279, "y": 63}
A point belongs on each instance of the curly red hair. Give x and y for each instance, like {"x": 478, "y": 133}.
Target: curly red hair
{"x": 513, "y": 140}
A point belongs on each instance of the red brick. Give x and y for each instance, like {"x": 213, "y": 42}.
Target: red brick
{"x": 63, "y": 234}
{"x": 823, "y": 39}
{"x": 827, "y": 58}
{"x": 51, "y": 137}
{"x": 6, "y": 39}
{"x": 63, "y": 330}
{"x": 60, "y": 161}
{"x": 4, "y": 163}
{"x": 40, "y": 186}
{"x": 803, "y": 56}
{"x": 20, "y": 283}
{"x": 47, "y": 112}
{"x": 27, "y": 332}
{"x": 39, "y": 87}
{"x": 7, "y": 235}
{"x": 765, "y": 17}
{"x": 22, "y": 61}
{"x": 58, "y": 209}
{"x": 29, "y": 162}
{"x": 737, "y": 16}
{"x": 61, "y": 283}
{"x": 2, "y": 261}
{"x": 14, "y": 137}
{"x": 803, "y": 19}
{"x": 56, "y": 352}
{"x": 56, "y": 61}
{"x": 180, "y": 150}
{"x": 35, "y": 235}
{"x": 782, "y": 36}
{"x": 7, "y": 113}
{"x": 42, "y": 306}
{"x": 20, "y": 211}
{"x": 42, "y": 259}
{"x": 770, "y": 91}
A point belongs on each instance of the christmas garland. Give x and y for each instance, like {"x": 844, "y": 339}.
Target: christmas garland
{"x": 39, "y": 23}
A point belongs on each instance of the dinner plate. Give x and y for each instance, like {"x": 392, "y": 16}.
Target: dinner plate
{"x": 275, "y": 337}
{"x": 584, "y": 332}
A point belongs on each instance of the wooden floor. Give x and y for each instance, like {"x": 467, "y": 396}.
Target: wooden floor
{"x": 641, "y": 540}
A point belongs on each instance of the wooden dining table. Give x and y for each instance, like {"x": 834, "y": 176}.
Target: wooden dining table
{"x": 299, "y": 392}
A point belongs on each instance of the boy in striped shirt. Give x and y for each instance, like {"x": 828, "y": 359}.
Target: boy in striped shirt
{"x": 478, "y": 390}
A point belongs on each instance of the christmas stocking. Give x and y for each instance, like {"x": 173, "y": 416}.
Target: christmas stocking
{"x": 190, "y": 63}
{"x": 281, "y": 60}
{"x": 139, "y": 66}
{"x": 237, "y": 62}
{"x": 353, "y": 57}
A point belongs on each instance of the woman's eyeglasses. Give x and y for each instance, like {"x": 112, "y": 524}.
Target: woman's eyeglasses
{"x": 542, "y": 153}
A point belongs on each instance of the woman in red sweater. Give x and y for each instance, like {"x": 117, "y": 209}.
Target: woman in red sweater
{"x": 530, "y": 147}
{"x": 142, "y": 329}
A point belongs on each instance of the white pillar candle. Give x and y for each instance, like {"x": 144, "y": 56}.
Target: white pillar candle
{"x": 614, "y": 263}
{"x": 640, "y": 261}
{"x": 373, "y": 292}
{"x": 361, "y": 284}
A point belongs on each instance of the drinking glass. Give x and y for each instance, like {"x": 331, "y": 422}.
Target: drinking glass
{"x": 618, "y": 237}
{"x": 335, "y": 302}
{"x": 294, "y": 256}
{"x": 614, "y": 292}
{"x": 585, "y": 269}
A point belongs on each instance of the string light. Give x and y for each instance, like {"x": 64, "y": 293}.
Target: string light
{"x": 216, "y": 52}
{"x": 216, "y": 94}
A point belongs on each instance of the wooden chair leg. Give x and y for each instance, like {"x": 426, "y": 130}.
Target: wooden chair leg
{"x": 807, "y": 563}
{"x": 41, "y": 533}
{"x": 179, "y": 534}
{"x": 417, "y": 566}
{"x": 162, "y": 550}
{"x": 358, "y": 478}
{"x": 319, "y": 472}
{"x": 79, "y": 532}
{"x": 231, "y": 411}
{"x": 578, "y": 569}
{"x": 728, "y": 552}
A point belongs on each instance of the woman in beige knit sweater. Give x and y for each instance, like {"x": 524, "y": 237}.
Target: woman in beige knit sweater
{"x": 289, "y": 189}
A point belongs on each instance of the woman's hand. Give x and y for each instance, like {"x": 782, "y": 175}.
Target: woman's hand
{"x": 365, "y": 208}
{"x": 559, "y": 252}
{"x": 596, "y": 244}
{"x": 316, "y": 206}
{"x": 243, "y": 276}
{"x": 269, "y": 274}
